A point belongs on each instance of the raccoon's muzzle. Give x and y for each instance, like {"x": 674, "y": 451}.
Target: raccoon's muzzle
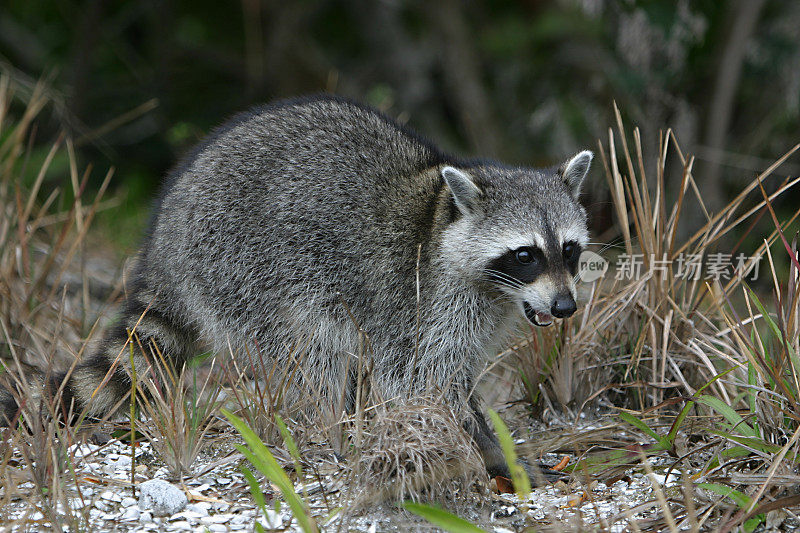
{"x": 564, "y": 306}
{"x": 537, "y": 318}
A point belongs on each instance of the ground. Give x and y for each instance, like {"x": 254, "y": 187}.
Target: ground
{"x": 100, "y": 496}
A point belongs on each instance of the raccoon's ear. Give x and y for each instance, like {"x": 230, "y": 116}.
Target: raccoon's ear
{"x": 464, "y": 190}
{"x": 574, "y": 170}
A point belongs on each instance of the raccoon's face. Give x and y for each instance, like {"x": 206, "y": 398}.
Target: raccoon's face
{"x": 520, "y": 232}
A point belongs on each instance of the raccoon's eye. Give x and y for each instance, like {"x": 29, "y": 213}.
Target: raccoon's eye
{"x": 570, "y": 250}
{"x": 524, "y": 256}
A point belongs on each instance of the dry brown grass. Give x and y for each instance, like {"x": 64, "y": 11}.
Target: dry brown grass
{"x": 415, "y": 448}
{"x": 46, "y": 308}
{"x": 180, "y": 408}
{"x": 635, "y": 339}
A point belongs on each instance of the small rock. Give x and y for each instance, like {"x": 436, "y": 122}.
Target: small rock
{"x": 130, "y": 514}
{"x": 123, "y": 462}
{"x": 161, "y": 497}
{"x": 201, "y": 508}
{"x": 102, "y": 506}
{"x": 311, "y": 488}
{"x": 111, "y": 496}
{"x": 146, "y": 517}
{"x": 188, "y": 515}
{"x": 216, "y": 519}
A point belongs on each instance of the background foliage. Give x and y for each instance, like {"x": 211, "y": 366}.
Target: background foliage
{"x": 526, "y": 81}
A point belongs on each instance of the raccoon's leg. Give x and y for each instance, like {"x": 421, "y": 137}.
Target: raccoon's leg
{"x": 493, "y": 456}
{"x": 99, "y": 384}
{"x": 8, "y": 404}
{"x": 488, "y": 444}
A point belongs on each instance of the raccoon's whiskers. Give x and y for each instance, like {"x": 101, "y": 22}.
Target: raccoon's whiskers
{"x": 505, "y": 285}
{"x": 502, "y": 298}
{"x": 504, "y": 279}
{"x": 606, "y": 245}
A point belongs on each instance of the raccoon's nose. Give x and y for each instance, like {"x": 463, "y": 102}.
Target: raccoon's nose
{"x": 563, "y": 306}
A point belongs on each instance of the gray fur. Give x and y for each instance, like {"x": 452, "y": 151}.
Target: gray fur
{"x": 298, "y": 224}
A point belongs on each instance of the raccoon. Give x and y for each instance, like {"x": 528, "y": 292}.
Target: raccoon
{"x": 308, "y": 228}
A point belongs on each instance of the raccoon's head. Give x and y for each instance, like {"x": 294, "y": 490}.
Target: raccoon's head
{"x": 520, "y": 232}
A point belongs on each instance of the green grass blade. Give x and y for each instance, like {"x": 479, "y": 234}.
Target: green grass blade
{"x": 676, "y": 424}
{"x": 260, "y": 456}
{"x": 741, "y": 499}
{"x": 730, "y": 414}
{"x": 291, "y": 445}
{"x": 441, "y": 518}
{"x": 255, "y": 489}
{"x": 765, "y": 315}
{"x": 518, "y": 475}
{"x": 637, "y": 423}
{"x": 754, "y": 443}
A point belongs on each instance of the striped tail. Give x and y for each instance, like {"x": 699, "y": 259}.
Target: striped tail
{"x": 144, "y": 339}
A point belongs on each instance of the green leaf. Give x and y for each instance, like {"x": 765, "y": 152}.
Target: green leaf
{"x": 754, "y": 443}
{"x": 632, "y": 420}
{"x": 765, "y": 315}
{"x": 443, "y": 519}
{"x": 291, "y": 446}
{"x": 676, "y": 424}
{"x": 518, "y": 475}
{"x": 753, "y": 523}
{"x": 741, "y": 499}
{"x": 733, "y": 451}
{"x": 255, "y": 489}
{"x": 260, "y": 456}
{"x": 729, "y": 413}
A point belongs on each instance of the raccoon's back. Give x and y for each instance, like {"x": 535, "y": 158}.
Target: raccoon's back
{"x": 293, "y": 201}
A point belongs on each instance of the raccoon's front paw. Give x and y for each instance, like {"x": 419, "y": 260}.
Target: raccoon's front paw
{"x": 539, "y": 474}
